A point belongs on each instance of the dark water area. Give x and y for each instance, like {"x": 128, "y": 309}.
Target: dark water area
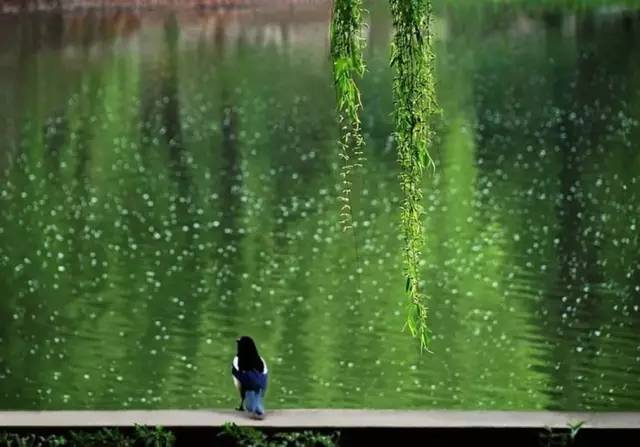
{"x": 168, "y": 182}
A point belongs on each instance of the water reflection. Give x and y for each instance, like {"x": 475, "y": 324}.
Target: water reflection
{"x": 177, "y": 188}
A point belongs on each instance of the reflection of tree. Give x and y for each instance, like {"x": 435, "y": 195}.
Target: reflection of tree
{"x": 574, "y": 90}
{"x": 81, "y": 146}
{"x": 171, "y": 125}
{"x": 230, "y": 180}
{"x": 632, "y": 34}
{"x": 576, "y": 260}
{"x": 6, "y": 304}
{"x": 617, "y": 157}
{"x": 230, "y": 186}
{"x": 576, "y": 307}
{"x": 56, "y": 133}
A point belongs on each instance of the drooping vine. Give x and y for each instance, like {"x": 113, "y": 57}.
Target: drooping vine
{"x": 348, "y": 65}
{"x": 414, "y": 105}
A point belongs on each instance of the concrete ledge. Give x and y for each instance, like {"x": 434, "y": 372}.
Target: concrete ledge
{"x": 327, "y": 418}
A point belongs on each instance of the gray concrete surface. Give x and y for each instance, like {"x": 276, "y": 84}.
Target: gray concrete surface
{"x": 319, "y": 418}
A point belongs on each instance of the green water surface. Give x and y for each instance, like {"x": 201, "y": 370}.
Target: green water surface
{"x": 168, "y": 182}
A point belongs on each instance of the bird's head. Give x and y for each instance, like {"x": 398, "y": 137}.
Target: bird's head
{"x": 248, "y": 356}
{"x": 246, "y": 346}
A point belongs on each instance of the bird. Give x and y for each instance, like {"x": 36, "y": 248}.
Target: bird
{"x": 250, "y": 376}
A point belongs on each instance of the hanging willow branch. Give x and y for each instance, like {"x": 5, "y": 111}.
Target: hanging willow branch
{"x": 348, "y": 65}
{"x": 414, "y": 101}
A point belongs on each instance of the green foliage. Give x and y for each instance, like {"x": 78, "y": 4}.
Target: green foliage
{"x": 348, "y": 65}
{"x": 564, "y": 438}
{"x": 155, "y": 436}
{"x": 102, "y": 438}
{"x": 250, "y": 437}
{"x": 414, "y": 97}
{"x": 142, "y": 437}
{"x": 30, "y": 440}
{"x": 305, "y": 439}
{"x": 415, "y": 104}
{"x": 244, "y": 436}
{"x": 574, "y": 429}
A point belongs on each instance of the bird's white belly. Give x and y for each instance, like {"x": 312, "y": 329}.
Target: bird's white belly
{"x": 236, "y": 382}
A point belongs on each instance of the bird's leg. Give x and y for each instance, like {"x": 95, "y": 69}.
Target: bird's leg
{"x": 241, "y": 407}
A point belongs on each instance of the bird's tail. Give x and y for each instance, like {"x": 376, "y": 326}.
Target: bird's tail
{"x": 253, "y": 403}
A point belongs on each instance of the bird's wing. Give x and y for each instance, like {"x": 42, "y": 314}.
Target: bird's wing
{"x": 235, "y": 371}
{"x": 252, "y": 380}
{"x": 265, "y": 370}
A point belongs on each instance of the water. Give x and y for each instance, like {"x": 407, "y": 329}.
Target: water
{"x": 169, "y": 183}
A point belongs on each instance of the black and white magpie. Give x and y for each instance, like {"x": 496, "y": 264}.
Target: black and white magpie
{"x": 250, "y": 375}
